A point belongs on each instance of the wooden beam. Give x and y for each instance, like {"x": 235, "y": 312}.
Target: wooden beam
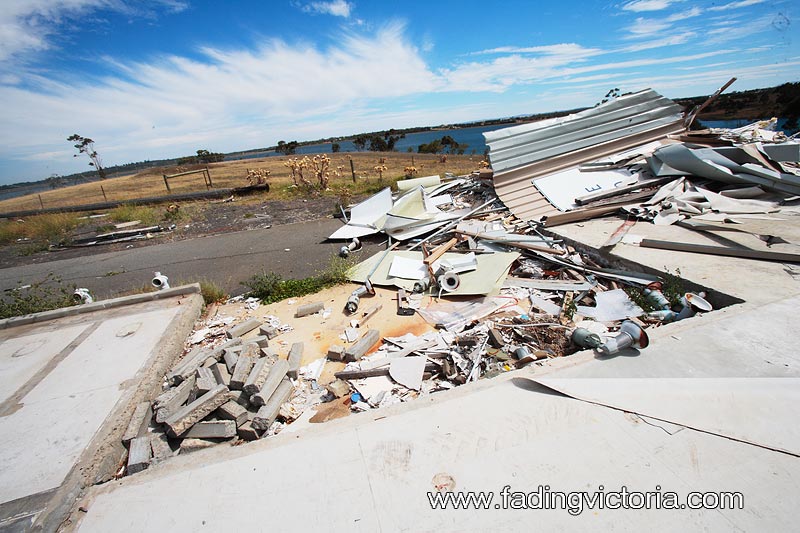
{"x": 745, "y": 253}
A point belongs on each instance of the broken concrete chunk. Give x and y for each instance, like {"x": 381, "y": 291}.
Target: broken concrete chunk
{"x": 137, "y": 426}
{"x": 239, "y": 397}
{"x": 172, "y": 400}
{"x": 338, "y": 388}
{"x": 367, "y": 341}
{"x": 244, "y": 328}
{"x": 139, "y": 454}
{"x": 261, "y": 340}
{"x": 336, "y": 352}
{"x": 189, "y": 364}
{"x": 268, "y": 331}
{"x": 208, "y": 363}
{"x": 205, "y": 380}
{"x": 247, "y": 432}
{"x": 230, "y": 357}
{"x": 193, "y": 445}
{"x": 295, "y": 356}
{"x": 189, "y": 415}
{"x": 242, "y": 371}
{"x": 276, "y": 374}
{"x": 159, "y": 444}
{"x": 232, "y": 411}
{"x": 195, "y": 360}
{"x": 257, "y": 377}
{"x": 269, "y": 412}
{"x": 309, "y": 309}
{"x": 221, "y": 374}
{"x": 218, "y": 429}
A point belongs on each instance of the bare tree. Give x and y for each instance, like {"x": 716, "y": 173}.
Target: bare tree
{"x": 85, "y": 145}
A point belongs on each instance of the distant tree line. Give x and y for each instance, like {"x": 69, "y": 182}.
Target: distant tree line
{"x": 203, "y": 157}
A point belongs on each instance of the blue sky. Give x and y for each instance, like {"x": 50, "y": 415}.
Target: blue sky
{"x": 151, "y": 79}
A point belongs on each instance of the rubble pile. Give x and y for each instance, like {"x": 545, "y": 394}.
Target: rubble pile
{"x": 496, "y": 290}
{"x": 231, "y": 385}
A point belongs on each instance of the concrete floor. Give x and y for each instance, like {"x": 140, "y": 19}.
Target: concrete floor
{"x": 65, "y": 386}
{"x": 373, "y": 472}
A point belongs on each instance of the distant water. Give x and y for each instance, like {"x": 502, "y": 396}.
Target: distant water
{"x": 472, "y": 137}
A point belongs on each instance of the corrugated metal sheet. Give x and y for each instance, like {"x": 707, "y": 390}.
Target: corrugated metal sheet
{"x": 520, "y": 154}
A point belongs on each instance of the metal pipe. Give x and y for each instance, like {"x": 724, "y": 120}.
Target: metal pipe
{"x": 453, "y": 224}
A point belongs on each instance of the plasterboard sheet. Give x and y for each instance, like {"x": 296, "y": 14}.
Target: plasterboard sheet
{"x": 407, "y": 268}
{"x": 561, "y": 188}
{"x": 413, "y": 183}
{"x": 487, "y": 279}
{"x": 367, "y": 217}
{"x": 761, "y": 411}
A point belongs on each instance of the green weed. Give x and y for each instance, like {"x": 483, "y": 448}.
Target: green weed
{"x": 50, "y": 293}
{"x": 271, "y": 287}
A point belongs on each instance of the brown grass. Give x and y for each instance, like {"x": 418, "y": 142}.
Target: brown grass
{"x": 234, "y": 174}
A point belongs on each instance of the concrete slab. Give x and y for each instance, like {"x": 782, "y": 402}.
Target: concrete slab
{"x": 750, "y": 280}
{"x": 22, "y": 357}
{"x": 375, "y": 472}
{"x": 66, "y": 398}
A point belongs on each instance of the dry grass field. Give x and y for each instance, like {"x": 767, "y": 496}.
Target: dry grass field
{"x": 369, "y": 170}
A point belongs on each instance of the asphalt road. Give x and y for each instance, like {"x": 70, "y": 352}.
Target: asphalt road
{"x": 291, "y": 250}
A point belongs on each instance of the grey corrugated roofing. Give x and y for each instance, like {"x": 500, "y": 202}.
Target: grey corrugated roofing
{"x": 522, "y": 153}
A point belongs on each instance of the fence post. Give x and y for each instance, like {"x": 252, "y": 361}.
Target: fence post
{"x": 353, "y": 170}
{"x": 165, "y": 182}
{"x": 104, "y": 193}
{"x": 41, "y": 203}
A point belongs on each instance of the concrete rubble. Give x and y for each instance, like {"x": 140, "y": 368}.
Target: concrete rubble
{"x": 496, "y": 288}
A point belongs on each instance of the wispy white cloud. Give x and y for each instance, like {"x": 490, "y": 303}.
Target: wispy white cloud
{"x": 28, "y": 26}
{"x": 735, "y": 5}
{"x": 336, "y": 8}
{"x": 564, "y": 50}
{"x": 668, "y": 40}
{"x": 731, "y": 32}
{"x": 683, "y": 15}
{"x": 644, "y": 27}
{"x": 647, "y": 5}
{"x": 228, "y": 99}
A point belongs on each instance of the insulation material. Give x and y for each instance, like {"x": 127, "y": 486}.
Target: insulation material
{"x": 611, "y": 306}
{"x": 489, "y": 276}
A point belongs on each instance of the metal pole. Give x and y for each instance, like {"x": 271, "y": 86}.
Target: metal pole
{"x": 165, "y": 182}
{"x": 452, "y": 224}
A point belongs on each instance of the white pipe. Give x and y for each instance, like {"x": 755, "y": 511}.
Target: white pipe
{"x": 82, "y": 296}
{"x": 160, "y": 281}
{"x": 449, "y": 281}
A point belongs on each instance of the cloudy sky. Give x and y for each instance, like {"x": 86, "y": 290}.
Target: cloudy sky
{"x": 149, "y": 79}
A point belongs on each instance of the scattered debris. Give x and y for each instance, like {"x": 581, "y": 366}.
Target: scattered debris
{"x": 495, "y": 290}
